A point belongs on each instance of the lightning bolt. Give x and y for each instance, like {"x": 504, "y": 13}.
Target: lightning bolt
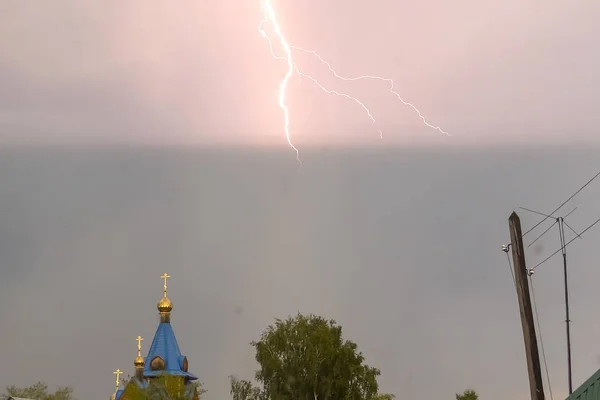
{"x": 269, "y": 15}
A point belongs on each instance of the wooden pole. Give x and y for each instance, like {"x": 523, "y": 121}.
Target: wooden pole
{"x": 522, "y": 285}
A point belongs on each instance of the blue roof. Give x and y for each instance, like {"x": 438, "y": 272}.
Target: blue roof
{"x": 118, "y": 394}
{"x": 165, "y": 345}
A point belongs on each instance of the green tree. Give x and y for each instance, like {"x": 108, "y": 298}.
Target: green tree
{"x": 384, "y": 396}
{"x": 166, "y": 387}
{"x": 244, "y": 390}
{"x": 468, "y": 395}
{"x": 39, "y": 391}
{"x": 306, "y": 358}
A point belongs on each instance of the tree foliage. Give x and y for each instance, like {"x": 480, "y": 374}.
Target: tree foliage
{"x": 166, "y": 387}
{"x": 468, "y": 395}
{"x": 384, "y": 396}
{"x": 306, "y": 358}
{"x": 244, "y": 390}
{"x": 39, "y": 391}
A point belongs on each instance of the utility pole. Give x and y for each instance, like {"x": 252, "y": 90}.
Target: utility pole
{"x": 522, "y": 285}
{"x": 560, "y": 221}
{"x": 561, "y": 228}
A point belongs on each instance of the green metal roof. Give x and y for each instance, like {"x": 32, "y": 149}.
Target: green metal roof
{"x": 589, "y": 390}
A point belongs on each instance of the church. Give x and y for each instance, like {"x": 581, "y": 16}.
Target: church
{"x": 164, "y": 371}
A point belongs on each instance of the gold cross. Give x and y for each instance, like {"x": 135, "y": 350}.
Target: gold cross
{"x": 139, "y": 340}
{"x": 118, "y": 373}
{"x": 165, "y": 277}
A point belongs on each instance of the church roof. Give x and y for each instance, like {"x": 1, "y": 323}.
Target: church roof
{"x": 118, "y": 394}
{"x": 164, "y": 356}
{"x": 165, "y": 346}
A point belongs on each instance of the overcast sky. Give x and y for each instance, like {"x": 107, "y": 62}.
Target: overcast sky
{"x": 200, "y": 72}
{"x": 397, "y": 238}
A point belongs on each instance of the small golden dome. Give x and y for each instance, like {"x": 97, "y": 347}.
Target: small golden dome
{"x": 165, "y": 305}
{"x": 139, "y": 361}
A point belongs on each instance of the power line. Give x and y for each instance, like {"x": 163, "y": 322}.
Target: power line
{"x": 572, "y": 230}
{"x": 561, "y": 223}
{"x": 547, "y": 215}
{"x": 557, "y": 219}
{"x": 512, "y": 273}
{"x": 561, "y": 230}
{"x": 537, "y": 318}
{"x": 505, "y": 248}
{"x": 550, "y": 227}
{"x": 569, "y": 242}
{"x": 543, "y": 233}
{"x": 565, "y": 202}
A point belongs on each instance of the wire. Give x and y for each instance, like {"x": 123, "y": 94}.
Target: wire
{"x": 557, "y": 219}
{"x": 546, "y": 215}
{"x": 537, "y": 319}
{"x": 569, "y": 242}
{"x": 569, "y": 226}
{"x": 565, "y": 202}
{"x": 543, "y": 233}
{"x": 512, "y": 273}
{"x": 536, "y": 212}
{"x": 570, "y": 212}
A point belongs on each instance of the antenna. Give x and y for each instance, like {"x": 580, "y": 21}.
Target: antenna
{"x": 563, "y": 245}
{"x": 560, "y": 221}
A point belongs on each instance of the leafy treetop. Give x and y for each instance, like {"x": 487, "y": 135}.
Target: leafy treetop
{"x": 166, "y": 387}
{"x": 39, "y": 391}
{"x": 306, "y": 358}
{"x": 468, "y": 395}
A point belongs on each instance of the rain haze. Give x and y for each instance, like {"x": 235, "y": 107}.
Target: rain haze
{"x": 138, "y": 139}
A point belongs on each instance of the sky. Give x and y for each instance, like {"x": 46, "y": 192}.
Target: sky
{"x": 200, "y": 72}
{"x": 140, "y": 139}
{"x": 400, "y": 246}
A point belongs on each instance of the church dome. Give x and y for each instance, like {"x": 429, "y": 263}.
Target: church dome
{"x": 139, "y": 361}
{"x": 165, "y": 305}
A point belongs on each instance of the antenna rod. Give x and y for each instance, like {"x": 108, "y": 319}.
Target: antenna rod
{"x": 567, "y": 319}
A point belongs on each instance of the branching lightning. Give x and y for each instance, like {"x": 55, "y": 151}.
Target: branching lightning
{"x": 269, "y": 15}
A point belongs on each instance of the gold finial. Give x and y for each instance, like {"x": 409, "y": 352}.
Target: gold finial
{"x": 118, "y": 373}
{"x": 164, "y": 305}
{"x": 139, "y": 361}
{"x": 165, "y": 277}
